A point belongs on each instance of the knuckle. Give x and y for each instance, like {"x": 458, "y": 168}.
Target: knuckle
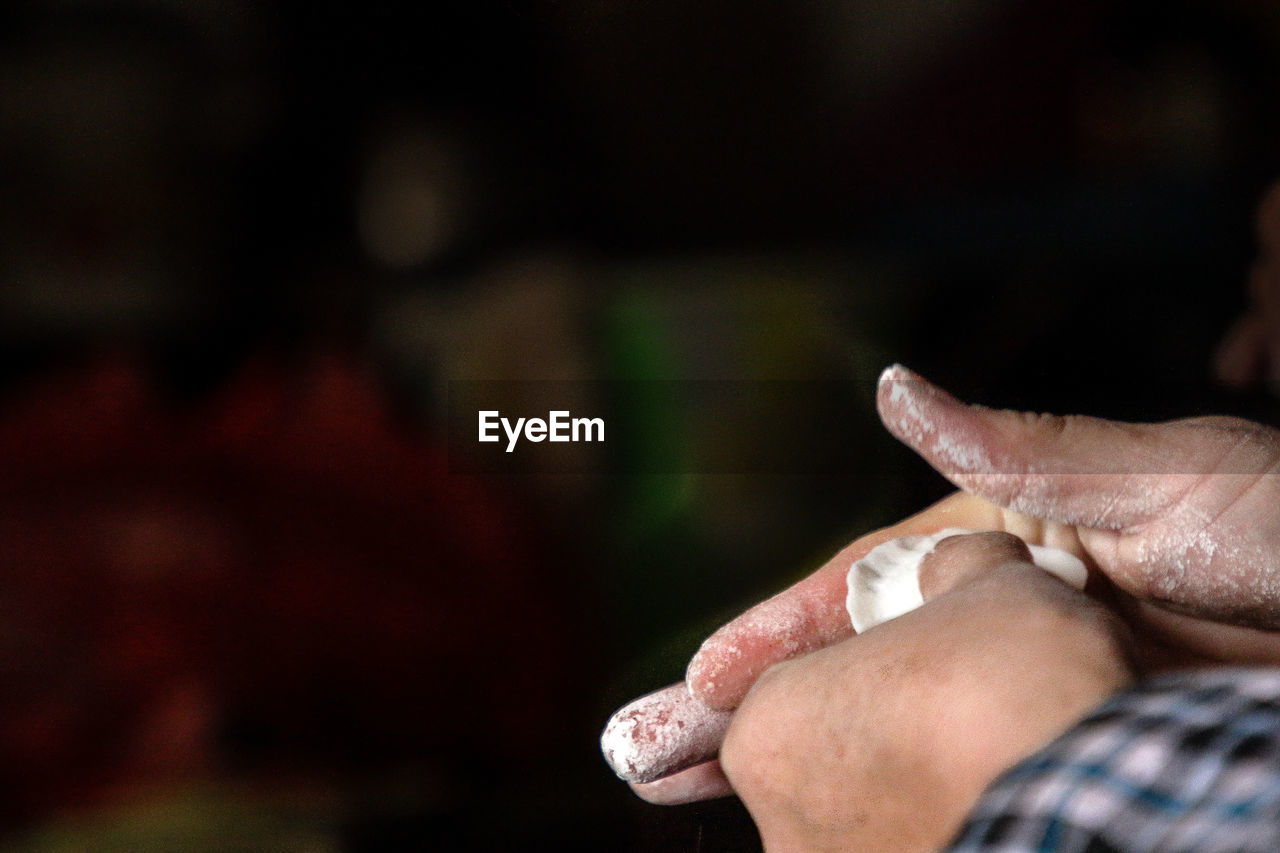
{"x": 960, "y": 558}
{"x": 999, "y": 542}
{"x": 756, "y": 736}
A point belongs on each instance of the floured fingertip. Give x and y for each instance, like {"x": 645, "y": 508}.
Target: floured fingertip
{"x": 933, "y": 423}
{"x": 662, "y": 733}
{"x": 895, "y": 372}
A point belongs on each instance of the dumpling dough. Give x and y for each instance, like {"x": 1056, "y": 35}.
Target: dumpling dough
{"x": 886, "y": 583}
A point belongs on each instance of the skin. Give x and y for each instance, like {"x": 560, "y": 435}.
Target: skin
{"x": 1177, "y": 522}
{"x": 899, "y": 729}
{"x": 733, "y": 658}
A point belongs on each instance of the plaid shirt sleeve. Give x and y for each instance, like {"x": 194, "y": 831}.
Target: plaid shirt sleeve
{"x": 1186, "y": 763}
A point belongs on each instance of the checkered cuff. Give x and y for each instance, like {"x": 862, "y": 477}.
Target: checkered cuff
{"x": 1187, "y": 762}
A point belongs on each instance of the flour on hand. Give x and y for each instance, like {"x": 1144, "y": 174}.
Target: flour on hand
{"x": 662, "y": 733}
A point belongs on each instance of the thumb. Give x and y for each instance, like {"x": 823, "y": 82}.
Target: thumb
{"x": 1075, "y": 470}
{"x": 958, "y": 560}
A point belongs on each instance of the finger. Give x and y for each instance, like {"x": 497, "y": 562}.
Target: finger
{"x": 957, "y": 560}
{"x": 811, "y": 614}
{"x": 701, "y": 782}
{"x": 1073, "y": 470}
{"x": 662, "y": 733}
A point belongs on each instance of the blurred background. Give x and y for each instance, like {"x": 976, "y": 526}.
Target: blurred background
{"x": 253, "y": 597}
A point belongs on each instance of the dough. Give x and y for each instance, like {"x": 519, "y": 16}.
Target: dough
{"x": 886, "y": 583}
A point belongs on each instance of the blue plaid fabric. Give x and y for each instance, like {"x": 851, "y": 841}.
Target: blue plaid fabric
{"x": 1187, "y": 762}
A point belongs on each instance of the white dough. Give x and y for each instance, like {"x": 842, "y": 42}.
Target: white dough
{"x": 886, "y": 583}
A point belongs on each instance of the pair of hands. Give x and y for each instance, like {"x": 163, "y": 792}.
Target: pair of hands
{"x": 884, "y": 741}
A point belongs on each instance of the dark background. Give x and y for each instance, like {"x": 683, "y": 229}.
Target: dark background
{"x": 246, "y": 247}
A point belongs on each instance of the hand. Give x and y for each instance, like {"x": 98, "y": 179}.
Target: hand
{"x": 886, "y": 740}
{"x": 1180, "y": 518}
{"x": 809, "y": 616}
